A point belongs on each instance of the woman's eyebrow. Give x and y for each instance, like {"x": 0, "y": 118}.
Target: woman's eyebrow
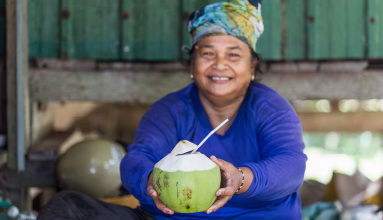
{"x": 233, "y": 48}
{"x": 206, "y": 46}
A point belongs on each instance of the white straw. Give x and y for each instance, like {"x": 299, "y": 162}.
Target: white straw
{"x": 212, "y": 132}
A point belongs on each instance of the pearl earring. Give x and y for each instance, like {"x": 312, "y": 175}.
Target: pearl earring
{"x": 252, "y": 77}
{"x": 191, "y": 76}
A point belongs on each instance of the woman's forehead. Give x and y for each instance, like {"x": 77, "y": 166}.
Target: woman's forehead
{"x": 222, "y": 41}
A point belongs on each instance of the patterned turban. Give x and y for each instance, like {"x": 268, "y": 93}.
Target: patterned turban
{"x": 238, "y": 18}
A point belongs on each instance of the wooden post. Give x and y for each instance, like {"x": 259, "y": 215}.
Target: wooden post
{"x": 17, "y": 83}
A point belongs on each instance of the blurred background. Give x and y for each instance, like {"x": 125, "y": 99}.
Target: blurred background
{"x": 89, "y": 69}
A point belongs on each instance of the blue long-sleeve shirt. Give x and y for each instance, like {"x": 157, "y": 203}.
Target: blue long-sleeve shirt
{"x": 265, "y": 136}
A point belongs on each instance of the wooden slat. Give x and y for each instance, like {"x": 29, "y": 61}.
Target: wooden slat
{"x": 17, "y": 84}
{"x": 375, "y": 28}
{"x": 128, "y": 27}
{"x": 66, "y": 31}
{"x": 34, "y": 28}
{"x": 343, "y": 122}
{"x": 96, "y": 29}
{"x": 49, "y": 13}
{"x": 171, "y": 29}
{"x": 318, "y": 29}
{"x": 270, "y": 42}
{"x": 149, "y": 86}
{"x": 158, "y": 34}
{"x": 356, "y": 34}
{"x": 337, "y": 29}
{"x": 295, "y": 47}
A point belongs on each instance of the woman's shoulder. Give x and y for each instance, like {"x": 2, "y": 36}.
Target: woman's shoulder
{"x": 178, "y": 101}
{"x": 178, "y": 98}
{"x": 264, "y": 97}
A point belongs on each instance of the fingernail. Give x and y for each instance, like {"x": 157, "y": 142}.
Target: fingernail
{"x": 169, "y": 212}
{"x": 209, "y": 211}
{"x": 219, "y": 193}
{"x": 153, "y": 194}
{"x": 214, "y": 157}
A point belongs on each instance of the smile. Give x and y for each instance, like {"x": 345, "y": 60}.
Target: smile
{"x": 217, "y": 78}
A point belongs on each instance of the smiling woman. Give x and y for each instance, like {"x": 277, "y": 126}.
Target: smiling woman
{"x": 259, "y": 151}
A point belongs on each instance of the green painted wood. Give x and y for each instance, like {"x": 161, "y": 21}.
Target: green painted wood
{"x": 337, "y": 29}
{"x": 318, "y": 29}
{"x": 157, "y": 33}
{"x": 128, "y": 27}
{"x": 43, "y": 25}
{"x": 67, "y": 48}
{"x": 269, "y": 44}
{"x": 3, "y": 31}
{"x": 375, "y": 28}
{"x": 171, "y": 49}
{"x": 295, "y": 46}
{"x": 96, "y": 29}
{"x": 356, "y": 25}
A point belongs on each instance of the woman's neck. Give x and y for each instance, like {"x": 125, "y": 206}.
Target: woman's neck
{"x": 218, "y": 109}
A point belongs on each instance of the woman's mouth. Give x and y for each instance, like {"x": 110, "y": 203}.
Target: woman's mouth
{"x": 220, "y": 79}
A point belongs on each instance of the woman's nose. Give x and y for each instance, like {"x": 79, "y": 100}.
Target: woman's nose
{"x": 220, "y": 63}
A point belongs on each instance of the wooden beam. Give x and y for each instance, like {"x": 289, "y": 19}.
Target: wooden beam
{"x": 149, "y": 86}
{"x": 104, "y": 86}
{"x": 17, "y": 83}
{"x": 342, "y": 122}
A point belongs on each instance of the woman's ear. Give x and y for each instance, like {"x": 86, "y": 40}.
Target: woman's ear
{"x": 254, "y": 65}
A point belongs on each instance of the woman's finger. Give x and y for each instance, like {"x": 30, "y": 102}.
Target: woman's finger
{"x": 218, "y": 204}
{"x": 228, "y": 191}
{"x": 161, "y": 206}
{"x": 221, "y": 163}
{"x": 151, "y": 191}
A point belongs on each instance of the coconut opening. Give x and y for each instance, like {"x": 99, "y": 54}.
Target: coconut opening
{"x": 181, "y": 159}
{"x": 185, "y": 163}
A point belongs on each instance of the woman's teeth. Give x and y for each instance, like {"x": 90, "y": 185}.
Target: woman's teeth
{"x": 220, "y": 78}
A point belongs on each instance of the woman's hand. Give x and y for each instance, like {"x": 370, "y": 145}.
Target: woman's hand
{"x": 231, "y": 179}
{"x": 153, "y": 193}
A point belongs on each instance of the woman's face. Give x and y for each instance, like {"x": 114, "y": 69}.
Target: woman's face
{"x": 222, "y": 66}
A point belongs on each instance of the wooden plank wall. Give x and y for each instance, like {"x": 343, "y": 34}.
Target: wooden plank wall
{"x": 375, "y": 28}
{"x": 43, "y": 28}
{"x": 153, "y": 30}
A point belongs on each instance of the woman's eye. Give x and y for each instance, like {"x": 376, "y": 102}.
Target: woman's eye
{"x": 233, "y": 55}
{"x": 208, "y": 53}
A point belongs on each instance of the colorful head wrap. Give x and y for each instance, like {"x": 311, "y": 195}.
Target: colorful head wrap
{"x": 238, "y": 18}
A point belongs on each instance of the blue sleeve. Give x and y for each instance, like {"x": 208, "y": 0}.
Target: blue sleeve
{"x": 155, "y": 138}
{"x": 281, "y": 169}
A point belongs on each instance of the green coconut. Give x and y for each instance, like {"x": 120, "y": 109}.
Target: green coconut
{"x": 186, "y": 183}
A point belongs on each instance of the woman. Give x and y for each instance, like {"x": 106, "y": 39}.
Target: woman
{"x": 263, "y": 137}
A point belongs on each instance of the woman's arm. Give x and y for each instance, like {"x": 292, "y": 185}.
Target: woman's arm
{"x": 281, "y": 169}
{"x": 155, "y": 137}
